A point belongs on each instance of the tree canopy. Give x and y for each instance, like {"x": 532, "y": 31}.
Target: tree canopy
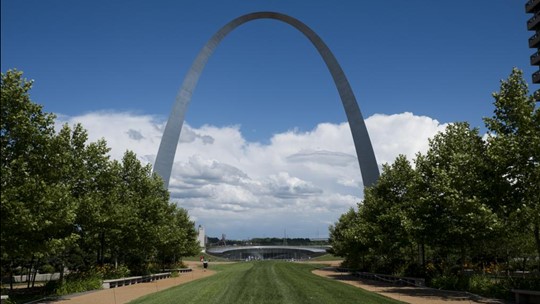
{"x": 64, "y": 202}
{"x": 470, "y": 201}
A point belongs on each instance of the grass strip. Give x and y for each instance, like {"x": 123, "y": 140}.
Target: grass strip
{"x": 264, "y": 282}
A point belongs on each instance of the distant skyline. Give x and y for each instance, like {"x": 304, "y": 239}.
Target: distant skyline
{"x": 266, "y": 147}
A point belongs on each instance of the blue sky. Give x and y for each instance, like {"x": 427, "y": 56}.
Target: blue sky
{"x": 413, "y": 65}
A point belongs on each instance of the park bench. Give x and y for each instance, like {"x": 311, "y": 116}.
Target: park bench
{"x": 134, "y": 280}
{"x": 184, "y": 270}
{"x": 527, "y": 296}
{"x": 179, "y": 270}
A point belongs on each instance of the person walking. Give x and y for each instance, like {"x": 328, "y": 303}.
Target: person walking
{"x": 205, "y": 264}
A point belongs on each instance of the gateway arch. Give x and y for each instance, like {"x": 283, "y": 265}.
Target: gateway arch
{"x": 171, "y": 135}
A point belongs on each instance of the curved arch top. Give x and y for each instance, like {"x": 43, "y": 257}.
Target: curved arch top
{"x": 171, "y": 134}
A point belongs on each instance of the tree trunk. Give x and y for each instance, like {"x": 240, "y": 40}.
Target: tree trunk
{"x": 422, "y": 254}
{"x": 11, "y": 278}
{"x": 537, "y": 240}
{"x": 34, "y": 277}
{"x": 524, "y": 266}
{"x": 61, "y": 279}
{"x": 102, "y": 248}
{"x": 462, "y": 259}
{"x": 29, "y": 275}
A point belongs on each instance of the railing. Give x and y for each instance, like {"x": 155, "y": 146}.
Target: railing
{"x": 40, "y": 277}
{"x": 395, "y": 280}
{"x": 533, "y": 41}
{"x": 391, "y": 279}
{"x": 535, "y": 58}
{"x": 536, "y": 77}
{"x": 533, "y": 21}
{"x": 530, "y": 5}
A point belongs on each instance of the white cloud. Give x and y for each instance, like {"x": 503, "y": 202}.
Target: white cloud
{"x": 403, "y": 133}
{"x": 122, "y": 131}
{"x": 299, "y": 182}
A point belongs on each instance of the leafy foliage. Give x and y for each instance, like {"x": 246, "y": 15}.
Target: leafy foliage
{"x": 469, "y": 204}
{"x": 64, "y": 203}
{"x": 74, "y": 283}
{"x": 514, "y": 147}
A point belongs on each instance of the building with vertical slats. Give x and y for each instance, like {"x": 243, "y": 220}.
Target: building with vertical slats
{"x": 533, "y": 24}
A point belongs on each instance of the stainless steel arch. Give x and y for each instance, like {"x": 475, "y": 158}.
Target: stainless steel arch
{"x": 171, "y": 135}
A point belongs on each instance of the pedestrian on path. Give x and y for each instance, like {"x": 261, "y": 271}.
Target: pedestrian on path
{"x": 205, "y": 264}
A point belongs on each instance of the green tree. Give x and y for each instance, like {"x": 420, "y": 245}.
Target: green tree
{"x": 387, "y": 206}
{"x": 453, "y": 211}
{"x": 178, "y": 237}
{"x": 92, "y": 180}
{"x": 347, "y": 239}
{"x": 37, "y": 211}
{"x": 63, "y": 201}
{"x": 514, "y": 148}
{"x": 146, "y": 211}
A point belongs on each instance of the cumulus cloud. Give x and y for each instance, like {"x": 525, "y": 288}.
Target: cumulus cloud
{"x": 300, "y": 182}
{"x": 403, "y": 133}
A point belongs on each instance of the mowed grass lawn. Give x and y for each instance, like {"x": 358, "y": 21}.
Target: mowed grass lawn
{"x": 264, "y": 282}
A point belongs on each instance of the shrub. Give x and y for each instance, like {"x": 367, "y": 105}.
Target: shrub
{"x": 47, "y": 268}
{"x": 532, "y": 283}
{"x": 450, "y": 282}
{"x": 411, "y": 270}
{"x": 481, "y": 285}
{"x": 444, "y": 282}
{"x": 486, "y": 286}
{"x": 74, "y": 283}
{"x": 108, "y": 271}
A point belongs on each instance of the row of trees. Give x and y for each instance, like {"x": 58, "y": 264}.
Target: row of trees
{"x": 469, "y": 201}
{"x": 64, "y": 202}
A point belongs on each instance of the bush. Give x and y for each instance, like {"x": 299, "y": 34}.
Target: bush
{"x": 74, "y": 283}
{"x": 486, "y": 286}
{"x": 411, "y": 270}
{"x": 481, "y": 285}
{"x": 46, "y": 268}
{"x": 509, "y": 283}
{"x": 450, "y": 282}
{"x": 108, "y": 271}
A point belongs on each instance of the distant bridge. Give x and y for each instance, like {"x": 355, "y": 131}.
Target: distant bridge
{"x": 268, "y": 252}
